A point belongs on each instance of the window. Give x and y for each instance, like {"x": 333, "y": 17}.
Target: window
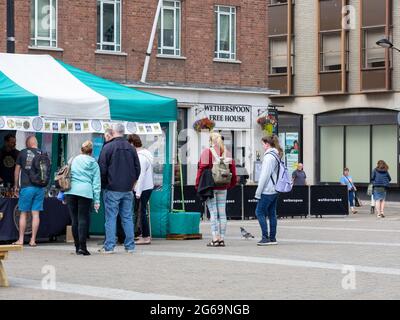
{"x": 278, "y": 55}
{"x": 44, "y": 23}
{"x": 278, "y": 1}
{"x": 384, "y": 147}
{"x": 332, "y": 153}
{"x": 109, "y": 25}
{"x": 373, "y": 55}
{"x": 169, "y": 26}
{"x": 358, "y": 152}
{"x": 225, "y": 41}
{"x": 331, "y": 51}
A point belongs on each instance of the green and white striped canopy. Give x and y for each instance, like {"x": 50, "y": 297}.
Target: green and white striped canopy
{"x": 39, "y": 85}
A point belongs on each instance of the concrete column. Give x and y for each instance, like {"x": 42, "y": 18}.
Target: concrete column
{"x": 309, "y": 156}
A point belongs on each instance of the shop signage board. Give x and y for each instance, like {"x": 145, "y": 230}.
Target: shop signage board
{"x": 229, "y": 117}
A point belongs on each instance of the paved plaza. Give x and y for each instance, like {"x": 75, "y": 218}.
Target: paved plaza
{"x": 355, "y": 257}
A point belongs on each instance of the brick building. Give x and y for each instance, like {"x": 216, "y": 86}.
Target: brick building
{"x": 340, "y": 91}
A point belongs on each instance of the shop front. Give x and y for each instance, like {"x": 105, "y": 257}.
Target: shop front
{"x": 357, "y": 139}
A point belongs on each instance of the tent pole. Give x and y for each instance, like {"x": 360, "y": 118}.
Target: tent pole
{"x": 173, "y": 136}
{"x": 150, "y": 47}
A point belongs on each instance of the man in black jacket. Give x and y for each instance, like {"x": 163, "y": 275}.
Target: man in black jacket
{"x": 120, "y": 169}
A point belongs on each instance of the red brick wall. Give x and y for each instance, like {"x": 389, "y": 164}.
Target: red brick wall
{"x": 198, "y": 40}
{"x": 3, "y": 25}
{"x": 77, "y": 27}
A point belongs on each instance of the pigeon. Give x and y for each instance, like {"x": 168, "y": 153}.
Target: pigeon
{"x": 245, "y": 234}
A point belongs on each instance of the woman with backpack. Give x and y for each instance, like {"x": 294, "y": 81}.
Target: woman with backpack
{"x": 84, "y": 192}
{"x": 380, "y": 180}
{"x": 216, "y": 159}
{"x": 266, "y": 191}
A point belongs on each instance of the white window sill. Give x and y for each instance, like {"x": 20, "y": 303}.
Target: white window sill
{"x": 227, "y": 61}
{"x": 166, "y": 56}
{"x": 46, "y": 48}
{"x": 111, "y": 53}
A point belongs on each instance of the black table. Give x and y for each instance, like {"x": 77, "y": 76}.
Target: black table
{"x": 53, "y": 220}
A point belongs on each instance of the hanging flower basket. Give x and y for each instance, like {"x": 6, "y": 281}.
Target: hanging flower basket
{"x": 267, "y": 123}
{"x": 204, "y": 124}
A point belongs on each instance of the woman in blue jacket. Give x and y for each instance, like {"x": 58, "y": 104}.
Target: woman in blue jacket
{"x": 380, "y": 180}
{"x": 85, "y": 190}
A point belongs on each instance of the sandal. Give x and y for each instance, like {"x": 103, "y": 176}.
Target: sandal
{"x": 33, "y": 245}
{"x": 222, "y": 243}
{"x": 16, "y": 243}
{"x": 213, "y": 244}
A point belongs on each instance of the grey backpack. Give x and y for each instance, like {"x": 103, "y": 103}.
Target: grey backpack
{"x": 221, "y": 171}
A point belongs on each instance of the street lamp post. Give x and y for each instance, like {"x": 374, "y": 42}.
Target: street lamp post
{"x": 387, "y": 44}
{"x": 10, "y": 27}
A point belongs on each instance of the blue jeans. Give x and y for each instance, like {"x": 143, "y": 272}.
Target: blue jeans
{"x": 118, "y": 203}
{"x": 351, "y": 198}
{"x": 266, "y": 208}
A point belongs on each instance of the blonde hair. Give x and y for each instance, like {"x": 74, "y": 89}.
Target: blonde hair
{"x": 87, "y": 147}
{"x": 273, "y": 141}
{"x": 216, "y": 140}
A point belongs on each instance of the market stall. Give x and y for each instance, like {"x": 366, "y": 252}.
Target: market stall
{"x": 64, "y": 105}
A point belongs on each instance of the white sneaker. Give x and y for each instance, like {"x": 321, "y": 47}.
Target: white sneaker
{"x": 104, "y": 251}
{"x": 130, "y": 251}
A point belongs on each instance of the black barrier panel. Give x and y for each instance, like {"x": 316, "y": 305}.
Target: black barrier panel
{"x": 250, "y": 203}
{"x": 294, "y": 203}
{"x": 234, "y": 203}
{"x": 329, "y": 200}
{"x": 192, "y": 201}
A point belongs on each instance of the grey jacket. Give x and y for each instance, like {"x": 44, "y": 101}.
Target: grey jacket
{"x": 269, "y": 168}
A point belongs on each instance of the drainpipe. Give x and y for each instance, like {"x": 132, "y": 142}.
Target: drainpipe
{"x": 150, "y": 47}
{"x": 10, "y": 27}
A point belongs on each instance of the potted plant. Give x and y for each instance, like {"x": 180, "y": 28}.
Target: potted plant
{"x": 204, "y": 124}
{"x": 268, "y": 123}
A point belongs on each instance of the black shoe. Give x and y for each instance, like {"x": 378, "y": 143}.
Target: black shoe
{"x": 273, "y": 242}
{"x": 82, "y": 252}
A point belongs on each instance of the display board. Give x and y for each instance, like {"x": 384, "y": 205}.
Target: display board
{"x": 48, "y": 125}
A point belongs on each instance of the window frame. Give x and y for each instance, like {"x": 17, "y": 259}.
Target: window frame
{"x": 292, "y": 55}
{"x": 232, "y": 33}
{"x": 117, "y": 40}
{"x": 54, "y": 11}
{"x": 177, "y": 48}
{"x": 364, "y": 49}
{"x": 322, "y": 52}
